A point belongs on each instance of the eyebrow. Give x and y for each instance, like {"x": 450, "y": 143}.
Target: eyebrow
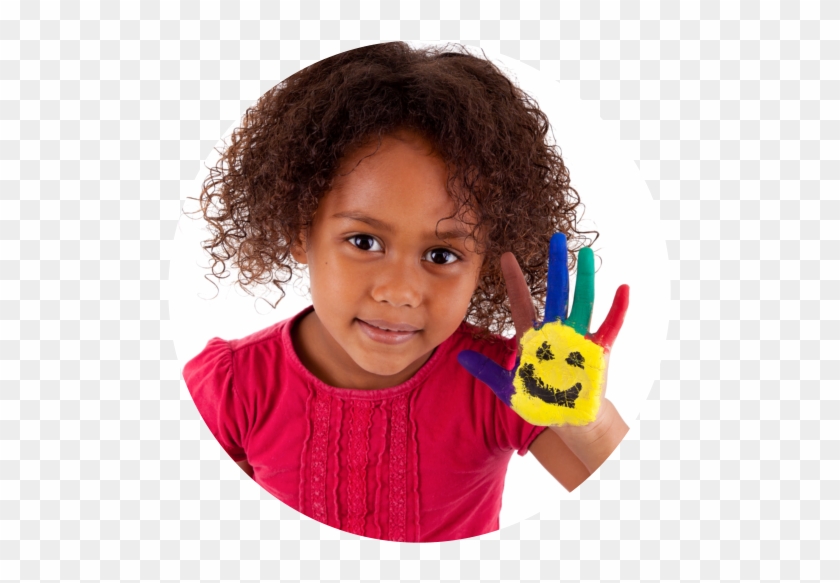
{"x": 456, "y": 233}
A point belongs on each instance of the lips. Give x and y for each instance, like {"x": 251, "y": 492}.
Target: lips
{"x": 392, "y": 326}
{"x": 384, "y": 336}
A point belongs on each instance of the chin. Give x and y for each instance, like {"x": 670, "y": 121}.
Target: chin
{"x": 385, "y": 368}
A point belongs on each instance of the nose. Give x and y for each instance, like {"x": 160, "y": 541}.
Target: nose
{"x": 399, "y": 283}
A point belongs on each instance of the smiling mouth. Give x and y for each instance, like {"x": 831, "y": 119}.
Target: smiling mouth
{"x": 386, "y": 336}
{"x": 388, "y": 329}
{"x": 536, "y": 387}
{"x": 391, "y": 327}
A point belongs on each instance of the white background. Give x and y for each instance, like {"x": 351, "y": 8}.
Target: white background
{"x": 616, "y": 203}
{"x": 730, "y": 109}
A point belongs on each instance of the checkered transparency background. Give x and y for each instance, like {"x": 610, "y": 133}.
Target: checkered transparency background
{"x": 733, "y": 113}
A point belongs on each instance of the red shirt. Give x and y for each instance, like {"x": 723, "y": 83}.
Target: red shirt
{"x": 422, "y": 461}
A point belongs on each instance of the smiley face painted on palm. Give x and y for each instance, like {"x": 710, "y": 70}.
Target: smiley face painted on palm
{"x": 559, "y": 374}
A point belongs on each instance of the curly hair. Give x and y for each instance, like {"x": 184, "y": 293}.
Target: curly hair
{"x": 492, "y": 136}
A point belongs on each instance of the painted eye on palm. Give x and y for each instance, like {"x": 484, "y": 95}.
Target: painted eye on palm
{"x": 559, "y": 376}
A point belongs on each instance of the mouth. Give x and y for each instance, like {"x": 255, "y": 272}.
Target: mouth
{"x": 536, "y": 387}
{"x": 384, "y": 336}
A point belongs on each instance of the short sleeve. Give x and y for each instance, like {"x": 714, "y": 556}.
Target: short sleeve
{"x": 209, "y": 378}
{"x": 512, "y": 431}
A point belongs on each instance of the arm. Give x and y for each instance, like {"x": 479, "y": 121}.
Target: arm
{"x": 593, "y": 443}
{"x": 546, "y": 387}
{"x": 556, "y": 457}
{"x": 572, "y": 456}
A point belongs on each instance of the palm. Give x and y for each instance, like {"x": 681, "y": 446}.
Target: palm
{"x": 560, "y": 372}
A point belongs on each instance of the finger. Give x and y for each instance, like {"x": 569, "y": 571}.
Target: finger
{"x": 605, "y": 336}
{"x": 488, "y": 372}
{"x": 557, "y": 300}
{"x": 584, "y": 292}
{"x": 519, "y": 296}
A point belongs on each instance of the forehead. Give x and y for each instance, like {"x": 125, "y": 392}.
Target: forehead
{"x": 396, "y": 177}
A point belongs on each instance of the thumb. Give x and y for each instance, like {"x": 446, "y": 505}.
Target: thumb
{"x": 491, "y": 374}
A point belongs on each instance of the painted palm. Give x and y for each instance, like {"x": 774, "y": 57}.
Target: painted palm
{"x": 560, "y": 372}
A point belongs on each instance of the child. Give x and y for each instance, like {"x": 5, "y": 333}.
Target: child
{"x": 399, "y": 177}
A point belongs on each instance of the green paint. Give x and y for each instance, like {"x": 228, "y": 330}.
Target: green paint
{"x": 581, "y": 314}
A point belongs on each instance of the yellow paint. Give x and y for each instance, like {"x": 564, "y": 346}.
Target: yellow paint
{"x": 558, "y": 374}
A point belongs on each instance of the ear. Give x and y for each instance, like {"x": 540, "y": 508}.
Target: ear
{"x": 298, "y": 248}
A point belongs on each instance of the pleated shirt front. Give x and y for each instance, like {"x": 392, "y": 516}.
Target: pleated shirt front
{"x": 422, "y": 461}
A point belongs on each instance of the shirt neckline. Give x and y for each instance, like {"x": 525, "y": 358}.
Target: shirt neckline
{"x": 403, "y": 388}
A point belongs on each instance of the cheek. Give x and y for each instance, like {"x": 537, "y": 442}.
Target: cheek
{"x": 460, "y": 287}
{"x": 450, "y": 301}
{"x": 331, "y": 268}
{"x": 333, "y": 284}
{"x": 468, "y": 279}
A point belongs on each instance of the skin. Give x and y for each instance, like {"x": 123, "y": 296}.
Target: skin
{"x": 400, "y": 184}
{"x": 570, "y": 453}
{"x": 390, "y": 271}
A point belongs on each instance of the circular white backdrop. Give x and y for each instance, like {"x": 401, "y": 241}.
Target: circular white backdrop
{"x": 629, "y": 250}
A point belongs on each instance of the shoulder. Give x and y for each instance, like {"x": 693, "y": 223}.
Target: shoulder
{"x": 220, "y": 351}
{"x": 270, "y": 338}
{"x": 244, "y": 358}
{"x": 270, "y": 342}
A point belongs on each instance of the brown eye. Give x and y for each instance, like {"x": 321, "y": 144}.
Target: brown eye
{"x": 442, "y": 256}
{"x": 363, "y": 242}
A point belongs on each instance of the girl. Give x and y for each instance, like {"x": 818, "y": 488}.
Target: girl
{"x": 412, "y": 184}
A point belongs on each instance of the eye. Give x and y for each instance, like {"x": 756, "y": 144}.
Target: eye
{"x": 544, "y": 352}
{"x": 364, "y": 242}
{"x": 575, "y": 359}
{"x": 442, "y": 256}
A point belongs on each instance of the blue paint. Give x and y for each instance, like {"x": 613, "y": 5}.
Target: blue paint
{"x": 557, "y": 299}
{"x": 491, "y": 374}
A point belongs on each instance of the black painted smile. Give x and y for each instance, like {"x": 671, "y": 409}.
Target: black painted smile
{"x": 536, "y": 387}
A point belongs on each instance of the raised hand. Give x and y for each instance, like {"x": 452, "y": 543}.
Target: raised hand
{"x": 560, "y": 372}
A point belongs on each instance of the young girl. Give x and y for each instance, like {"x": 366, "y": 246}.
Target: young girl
{"x": 415, "y": 186}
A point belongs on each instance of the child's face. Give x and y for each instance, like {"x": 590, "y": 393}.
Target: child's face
{"x": 385, "y": 265}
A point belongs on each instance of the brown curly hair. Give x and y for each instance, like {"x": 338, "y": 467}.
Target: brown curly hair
{"x": 493, "y": 137}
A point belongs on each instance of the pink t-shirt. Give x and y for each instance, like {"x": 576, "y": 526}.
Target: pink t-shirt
{"x": 422, "y": 461}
